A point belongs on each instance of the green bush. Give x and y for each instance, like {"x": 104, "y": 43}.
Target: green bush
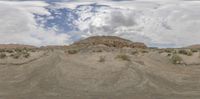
{"x": 176, "y": 59}
{"x": 123, "y": 57}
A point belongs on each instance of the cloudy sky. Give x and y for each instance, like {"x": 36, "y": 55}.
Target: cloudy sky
{"x": 160, "y": 23}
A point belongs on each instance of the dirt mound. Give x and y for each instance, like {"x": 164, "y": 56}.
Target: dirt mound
{"x": 110, "y": 41}
{"x": 12, "y": 46}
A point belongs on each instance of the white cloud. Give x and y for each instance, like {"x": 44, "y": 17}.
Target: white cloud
{"x": 18, "y": 24}
{"x": 156, "y": 22}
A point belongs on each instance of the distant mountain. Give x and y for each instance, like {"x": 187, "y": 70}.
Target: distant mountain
{"x": 11, "y": 46}
{"x": 54, "y": 47}
{"x": 110, "y": 41}
{"x": 194, "y": 46}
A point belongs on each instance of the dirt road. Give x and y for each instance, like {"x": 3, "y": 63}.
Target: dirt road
{"x": 61, "y": 76}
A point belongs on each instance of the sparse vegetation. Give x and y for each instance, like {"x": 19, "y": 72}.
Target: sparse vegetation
{"x": 72, "y": 51}
{"x": 15, "y": 55}
{"x": 185, "y": 52}
{"x": 168, "y": 50}
{"x": 102, "y": 59}
{"x": 3, "y": 55}
{"x": 176, "y": 59}
{"x": 99, "y": 50}
{"x": 26, "y": 55}
{"x": 144, "y": 51}
{"x": 134, "y": 52}
{"x": 169, "y": 54}
{"x": 123, "y": 57}
{"x": 9, "y": 51}
{"x": 2, "y": 50}
{"x": 194, "y": 50}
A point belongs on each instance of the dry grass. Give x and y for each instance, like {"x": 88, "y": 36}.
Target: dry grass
{"x": 123, "y": 57}
{"x": 102, "y": 59}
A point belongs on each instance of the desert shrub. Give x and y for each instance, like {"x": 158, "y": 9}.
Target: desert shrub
{"x": 15, "y": 55}
{"x": 161, "y": 51}
{"x": 194, "y": 50}
{"x": 26, "y": 55}
{"x": 176, "y": 59}
{"x": 32, "y": 50}
{"x": 169, "y": 50}
{"x": 72, "y": 51}
{"x": 185, "y": 52}
{"x": 2, "y": 50}
{"x": 123, "y": 57}
{"x": 18, "y": 50}
{"x": 169, "y": 54}
{"x": 9, "y": 51}
{"x": 3, "y": 55}
{"x": 102, "y": 59}
{"x": 144, "y": 51}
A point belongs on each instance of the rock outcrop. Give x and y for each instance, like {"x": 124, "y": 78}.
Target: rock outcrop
{"x": 110, "y": 41}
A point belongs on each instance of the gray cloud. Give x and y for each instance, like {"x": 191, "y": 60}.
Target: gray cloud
{"x": 119, "y": 19}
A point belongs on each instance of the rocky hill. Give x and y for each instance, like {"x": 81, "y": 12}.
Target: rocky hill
{"x": 110, "y": 41}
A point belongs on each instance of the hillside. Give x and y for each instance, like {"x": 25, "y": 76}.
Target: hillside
{"x": 12, "y": 46}
{"x": 194, "y": 46}
{"x": 110, "y": 41}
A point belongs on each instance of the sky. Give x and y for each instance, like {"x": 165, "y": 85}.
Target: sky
{"x": 157, "y": 23}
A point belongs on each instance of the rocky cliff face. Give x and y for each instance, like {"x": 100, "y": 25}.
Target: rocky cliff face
{"x": 110, "y": 41}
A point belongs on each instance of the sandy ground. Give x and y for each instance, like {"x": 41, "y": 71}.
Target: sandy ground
{"x": 58, "y": 75}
